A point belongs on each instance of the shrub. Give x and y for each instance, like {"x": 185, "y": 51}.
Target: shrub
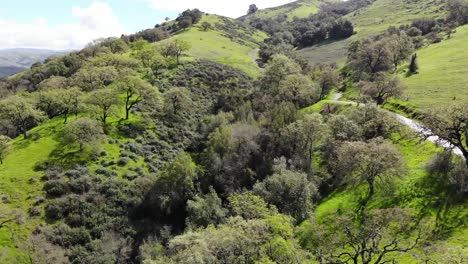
{"x": 80, "y": 185}
{"x": 123, "y": 161}
{"x": 56, "y": 209}
{"x": 39, "y": 200}
{"x": 55, "y": 188}
{"x": 35, "y": 211}
{"x": 104, "y": 171}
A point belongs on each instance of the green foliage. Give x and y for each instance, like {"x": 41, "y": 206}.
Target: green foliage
{"x": 458, "y": 10}
{"x": 236, "y": 241}
{"x": 137, "y": 92}
{"x": 291, "y": 191}
{"x": 382, "y": 88}
{"x": 382, "y": 235}
{"x": 174, "y": 48}
{"x": 18, "y": 114}
{"x": 373, "y": 163}
{"x": 5, "y": 147}
{"x": 82, "y": 131}
{"x": 175, "y": 186}
{"x": 250, "y": 206}
{"x": 103, "y": 103}
{"x": 205, "y": 210}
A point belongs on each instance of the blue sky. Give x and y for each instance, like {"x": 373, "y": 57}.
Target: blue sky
{"x": 70, "y": 24}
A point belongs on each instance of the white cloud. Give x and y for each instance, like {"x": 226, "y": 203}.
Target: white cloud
{"x": 96, "y": 21}
{"x": 235, "y": 8}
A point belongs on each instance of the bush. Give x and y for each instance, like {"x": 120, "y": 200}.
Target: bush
{"x": 57, "y": 209}
{"x": 130, "y": 176}
{"x": 80, "y": 185}
{"x": 108, "y": 163}
{"x": 77, "y": 172}
{"x": 123, "y": 161}
{"x": 104, "y": 171}
{"x": 55, "y": 188}
{"x": 424, "y": 24}
{"x": 39, "y": 200}
{"x": 35, "y": 211}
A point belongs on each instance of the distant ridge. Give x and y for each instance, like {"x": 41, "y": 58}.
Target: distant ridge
{"x": 16, "y": 60}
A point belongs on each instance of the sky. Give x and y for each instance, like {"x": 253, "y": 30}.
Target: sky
{"x": 71, "y": 24}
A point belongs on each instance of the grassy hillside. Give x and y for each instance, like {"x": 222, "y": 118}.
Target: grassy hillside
{"x": 416, "y": 189}
{"x": 443, "y": 76}
{"x": 228, "y": 42}
{"x": 300, "y": 9}
{"x": 373, "y": 20}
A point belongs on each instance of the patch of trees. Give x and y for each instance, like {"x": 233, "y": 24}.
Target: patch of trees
{"x": 252, "y": 9}
{"x": 458, "y": 11}
{"x": 151, "y": 35}
{"x": 189, "y": 17}
{"x": 328, "y": 23}
{"x": 345, "y": 7}
{"x": 378, "y": 237}
{"x": 450, "y": 125}
{"x": 211, "y": 165}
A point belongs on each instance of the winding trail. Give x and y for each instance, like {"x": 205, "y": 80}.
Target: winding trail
{"x": 413, "y": 125}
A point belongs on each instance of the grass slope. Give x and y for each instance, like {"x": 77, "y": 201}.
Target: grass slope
{"x": 416, "y": 190}
{"x": 371, "y": 21}
{"x": 443, "y": 76}
{"x": 237, "y": 48}
{"x": 300, "y": 9}
{"x": 22, "y": 184}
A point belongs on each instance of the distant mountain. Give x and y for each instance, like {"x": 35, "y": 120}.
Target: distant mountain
{"x": 13, "y": 61}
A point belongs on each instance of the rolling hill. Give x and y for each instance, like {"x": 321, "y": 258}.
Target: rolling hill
{"x": 371, "y": 21}
{"x": 15, "y": 60}
{"x": 299, "y": 9}
{"x": 207, "y": 108}
{"x": 228, "y": 42}
{"x": 443, "y": 76}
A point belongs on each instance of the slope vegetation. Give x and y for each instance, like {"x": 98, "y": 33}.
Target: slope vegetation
{"x": 300, "y": 9}
{"x": 227, "y": 42}
{"x": 443, "y": 74}
{"x": 373, "y": 20}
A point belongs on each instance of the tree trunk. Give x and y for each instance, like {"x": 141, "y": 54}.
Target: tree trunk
{"x": 371, "y": 188}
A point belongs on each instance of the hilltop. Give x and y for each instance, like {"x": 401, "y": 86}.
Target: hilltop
{"x": 226, "y": 41}
{"x": 299, "y": 9}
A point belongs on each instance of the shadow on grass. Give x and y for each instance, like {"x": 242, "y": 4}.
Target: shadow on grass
{"x": 67, "y": 159}
{"x": 435, "y": 195}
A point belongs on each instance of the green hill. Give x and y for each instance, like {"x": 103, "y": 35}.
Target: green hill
{"x": 299, "y": 9}
{"x": 218, "y": 160}
{"x": 228, "y": 42}
{"x": 373, "y": 20}
{"x": 443, "y": 75}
